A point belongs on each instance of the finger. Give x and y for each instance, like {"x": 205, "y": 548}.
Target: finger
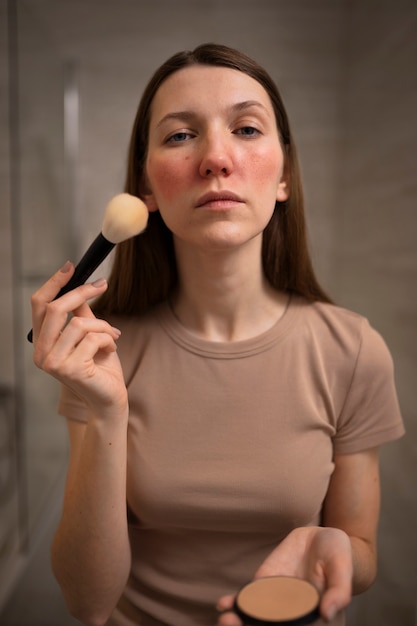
{"x": 55, "y": 314}
{"x": 73, "y": 334}
{"x": 75, "y": 299}
{"x": 80, "y": 364}
{"x": 52, "y": 287}
{"x": 225, "y": 603}
{"x": 339, "y": 590}
{"x": 78, "y": 330}
{"x": 48, "y": 292}
{"x": 229, "y": 619}
{"x": 334, "y": 600}
{"x": 225, "y": 607}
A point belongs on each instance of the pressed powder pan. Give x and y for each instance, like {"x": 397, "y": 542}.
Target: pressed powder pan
{"x": 280, "y": 600}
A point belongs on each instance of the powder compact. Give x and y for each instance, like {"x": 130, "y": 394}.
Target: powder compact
{"x": 278, "y": 600}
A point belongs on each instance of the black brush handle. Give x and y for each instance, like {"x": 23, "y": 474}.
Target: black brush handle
{"x": 95, "y": 255}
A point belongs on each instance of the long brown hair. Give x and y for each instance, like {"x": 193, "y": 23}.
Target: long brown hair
{"x": 144, "y": 270}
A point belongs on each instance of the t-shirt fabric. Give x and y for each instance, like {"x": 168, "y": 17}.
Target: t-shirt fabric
{"x": 231, "y": 446}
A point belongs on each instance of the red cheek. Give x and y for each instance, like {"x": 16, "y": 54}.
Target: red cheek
{"x": 265, "y": 166}
{"x": 168, "y": 179}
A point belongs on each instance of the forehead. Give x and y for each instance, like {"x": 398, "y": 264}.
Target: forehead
{"x": 202, "y": 85}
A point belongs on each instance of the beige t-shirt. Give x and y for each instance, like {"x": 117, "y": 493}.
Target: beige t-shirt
{"x": 231, "y": 445}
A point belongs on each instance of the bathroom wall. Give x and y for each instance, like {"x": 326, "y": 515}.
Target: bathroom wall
{"x": 375, "y": 261}
{"x": 33, "y": 447}
{"x": 9, "y": 493}
{"x": 115, "y": 52}
{"x": 345, "y": 69}
{"x": 6, "y": 364}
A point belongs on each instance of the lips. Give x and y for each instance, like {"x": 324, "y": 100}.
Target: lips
{"x": 218, "y": 198}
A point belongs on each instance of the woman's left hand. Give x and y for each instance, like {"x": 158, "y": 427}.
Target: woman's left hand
{"x": 322, "y": 556}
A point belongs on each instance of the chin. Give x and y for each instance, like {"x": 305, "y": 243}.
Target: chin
{"x": 230, "y": 241}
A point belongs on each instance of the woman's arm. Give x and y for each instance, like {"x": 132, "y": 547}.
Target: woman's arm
{"x": 352, "y": 504}
{"x": 340, "y": 556}
{"x": 90, "y": 551}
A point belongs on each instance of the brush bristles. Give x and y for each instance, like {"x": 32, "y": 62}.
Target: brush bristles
{"x": 125, "y": 217}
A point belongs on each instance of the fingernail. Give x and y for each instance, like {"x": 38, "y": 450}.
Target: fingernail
{"x": 116, "y": 331}
{"x": 99, "y": 282}
{"x": 66, "y": 267}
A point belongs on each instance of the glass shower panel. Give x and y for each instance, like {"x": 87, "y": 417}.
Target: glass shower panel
{"x": 44, "y": 241}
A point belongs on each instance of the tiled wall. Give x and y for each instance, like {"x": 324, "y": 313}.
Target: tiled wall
{"x": 375, "y": 262}
{"x": 8, "y": 480}
{"x": 6, "y": 338}
{"x": 346, "y": 71}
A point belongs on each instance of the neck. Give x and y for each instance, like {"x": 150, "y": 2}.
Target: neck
{"x": 224, "y": 296}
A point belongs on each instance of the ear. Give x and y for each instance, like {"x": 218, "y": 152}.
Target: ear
{"x": 150, "y": 201}
{"x": 282, "y": 191}
{"x": 147, "y": 195}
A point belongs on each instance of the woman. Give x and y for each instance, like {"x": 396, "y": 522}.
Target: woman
{"x": 241, "y": 416}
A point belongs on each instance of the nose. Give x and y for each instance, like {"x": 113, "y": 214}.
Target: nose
{"x": 216, "y": 158}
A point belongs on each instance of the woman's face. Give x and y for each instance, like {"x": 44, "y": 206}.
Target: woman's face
{"x": 214, "y": 166}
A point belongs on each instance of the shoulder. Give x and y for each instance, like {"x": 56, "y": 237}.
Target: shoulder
{"x": 344, "y": 330}
{"x": 332, "y": 318}
{"x": 343, "y": 346}
{"x": 359, "y": 369}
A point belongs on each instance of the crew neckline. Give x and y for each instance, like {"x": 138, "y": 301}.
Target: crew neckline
{"x": 233, "y": 349}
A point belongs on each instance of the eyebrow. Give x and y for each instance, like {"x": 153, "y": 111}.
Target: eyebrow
{"x": 190, "y": 115}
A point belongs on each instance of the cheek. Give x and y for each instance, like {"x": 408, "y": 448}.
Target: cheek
{"x": 266, "y": 168}
{"x": 167, "y": 178}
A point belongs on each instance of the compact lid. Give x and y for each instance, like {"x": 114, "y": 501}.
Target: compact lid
{"x": 280, "y": 600}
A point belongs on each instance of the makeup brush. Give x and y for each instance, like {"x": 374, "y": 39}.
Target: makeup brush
{"x": 125, "y": 216}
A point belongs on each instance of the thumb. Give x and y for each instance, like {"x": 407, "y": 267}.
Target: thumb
{"x": 337, "y": 595}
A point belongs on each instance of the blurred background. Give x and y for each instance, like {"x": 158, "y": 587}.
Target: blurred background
{"x": 71, "y": 75}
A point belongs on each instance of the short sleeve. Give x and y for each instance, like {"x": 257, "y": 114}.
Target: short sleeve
{"x": 370, "y": 415}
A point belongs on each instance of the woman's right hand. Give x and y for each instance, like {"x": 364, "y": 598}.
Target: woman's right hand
{"x": 81, "y": 352}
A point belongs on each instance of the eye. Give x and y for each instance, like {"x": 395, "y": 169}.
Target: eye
{"x": 179, "y": 137}
{"x": 247, "y": 131}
